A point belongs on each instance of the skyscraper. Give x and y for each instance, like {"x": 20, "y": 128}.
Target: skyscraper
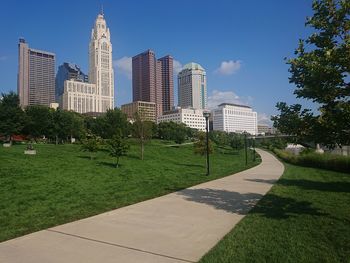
{"x": 146, "y": 79}
{"x": 167, "y": 75}
{"x": 192, "y": 84}
{"x": 68, "y": 71}
{"x": 36, "y": 76}
{"x": 101, "y": 64}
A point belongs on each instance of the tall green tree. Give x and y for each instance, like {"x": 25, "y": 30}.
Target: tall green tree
{"x": 37, "y": 121}
{"x": 12, "y": 117}
{"x": 113, "y": 122}
{"x": 321, "y": 69}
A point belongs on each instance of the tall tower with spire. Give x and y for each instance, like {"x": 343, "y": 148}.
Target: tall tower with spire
{"x": 101, "y": 64}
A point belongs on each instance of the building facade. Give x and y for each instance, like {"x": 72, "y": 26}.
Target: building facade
{"x": 68, "y": 71}
{"x": 36, "y": 76}
{"x": 146, "y": 110}
{"x": 235, "y": 118}
{"x": 167, "y": 75}
{"x": 192, "y": 87}
{"x": 79, "y": 96}
{"x": 193, "y": 118}
{"x": 101, "y": 64}
{"x": 146, "y": 79}
{"x": 265, "y": 129}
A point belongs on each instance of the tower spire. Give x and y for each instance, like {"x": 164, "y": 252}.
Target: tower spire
{"x": 101, "y": 11}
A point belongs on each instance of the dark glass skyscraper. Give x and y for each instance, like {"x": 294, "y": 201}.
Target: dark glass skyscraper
{"x": 167, "y": 74}
{"x": 152, "y": 80}
{"x": 68, "y": 71}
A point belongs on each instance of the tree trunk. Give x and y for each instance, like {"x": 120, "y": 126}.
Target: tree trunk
{"x": 142, "y": 149}
{"x": 117, "y": 164}
{"x": 56, "y": 140}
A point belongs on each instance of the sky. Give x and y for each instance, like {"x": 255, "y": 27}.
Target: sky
{"x": 241, "y": 44}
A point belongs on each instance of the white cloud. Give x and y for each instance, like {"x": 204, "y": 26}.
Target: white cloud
{"x": 177, "y": 66}
{"x": 229, "y": 67}
{"x": 264, "y": 118}
{"x": 217, "y": 97}
{"x": 124, "y": 66}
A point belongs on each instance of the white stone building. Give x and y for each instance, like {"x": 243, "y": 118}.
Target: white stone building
{"x": 101, "y": 65}
{"x": 193, "y": 118}
{"x": 192, "y": 87}
{"x": 97, "y": 95}
{"x": 79, "y": 96}
{"x": 235, "y": 118}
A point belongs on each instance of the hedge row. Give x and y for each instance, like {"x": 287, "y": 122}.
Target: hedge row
{"x": 332, "y": 162}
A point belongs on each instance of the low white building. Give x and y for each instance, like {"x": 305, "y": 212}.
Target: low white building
{"x": 193, "y": 118}
{"x": 236, "y": 118}
{"x": 79, "y": 96}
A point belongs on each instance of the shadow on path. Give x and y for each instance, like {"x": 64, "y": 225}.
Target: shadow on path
{"x": 265, "y": 181}
{"x": 271, "y": 205}
{"x": 232, "y": 202}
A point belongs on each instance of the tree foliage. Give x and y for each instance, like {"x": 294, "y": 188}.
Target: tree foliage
{"x": 90, "y": 145}
{"x": 321, "y": 73}
{"x": 200, "y": 146}
{"x": 117, "y": 147}
{"x": 177, "y": 132}
{"x": 12, "y": 117}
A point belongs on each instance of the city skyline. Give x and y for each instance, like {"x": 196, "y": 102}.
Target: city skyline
{"x": 240, "y": 70}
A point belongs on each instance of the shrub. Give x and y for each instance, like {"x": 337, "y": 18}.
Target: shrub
{"x": 327, "y": 161}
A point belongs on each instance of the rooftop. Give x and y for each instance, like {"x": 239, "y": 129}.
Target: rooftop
{"x": 193, "y": 66}
{"x": 233, "y": 104}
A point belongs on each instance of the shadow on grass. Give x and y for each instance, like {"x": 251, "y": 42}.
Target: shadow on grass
{"x": 232, "y": 202}
{"x": 86, "y": 157}
{"x": 108, "y": 164}
{"x": 277, "y": 207}
{"x": 271, "y": 206}
{"x": 319, "y": 186}
{"x": 190, "y": 165}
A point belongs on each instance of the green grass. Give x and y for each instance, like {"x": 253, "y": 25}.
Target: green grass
{"x": 304, "y": 218}
{"x": 61, "y": 184}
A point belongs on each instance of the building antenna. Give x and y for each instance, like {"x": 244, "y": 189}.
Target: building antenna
{"x": 102, "y": 9}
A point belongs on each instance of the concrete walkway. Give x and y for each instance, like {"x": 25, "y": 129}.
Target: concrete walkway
{"x": 178, "y": 227}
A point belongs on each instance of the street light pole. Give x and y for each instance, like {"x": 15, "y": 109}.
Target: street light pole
{"x": 254, "y": 148}
{"x": 245, "y": 148}
{"x": 206, "y": 115}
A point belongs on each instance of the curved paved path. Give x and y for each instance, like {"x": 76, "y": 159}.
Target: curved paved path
{"x": 178, "y": 227}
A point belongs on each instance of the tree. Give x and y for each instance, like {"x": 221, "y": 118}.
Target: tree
{"x": 321, "y": 69}
{"x": 113, "y": 122}
{"x": 12, "y": 117}
{"x": 37, "y": 121}
{"x": 294, "y": 121}
{"x": 200, "y": 146}
{"x": 142, "y": 130}
{"x": 221, "y": 138}
{"x": 90, "y": 145}
{"x": 236, "y": 141}
{"x": 179, "y": 133}
{"x": 117, "y": 147}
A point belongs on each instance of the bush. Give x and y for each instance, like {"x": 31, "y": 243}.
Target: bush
{"x": 327, "y": 161}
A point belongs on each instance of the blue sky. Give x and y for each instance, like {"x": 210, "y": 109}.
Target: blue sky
{"x": 241, "y": 44}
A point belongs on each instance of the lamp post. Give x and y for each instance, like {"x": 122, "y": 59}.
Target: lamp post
{"x": 206, "y": 115}
{"x": 245, "y": 148}
{"x": 253, "y": 138}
